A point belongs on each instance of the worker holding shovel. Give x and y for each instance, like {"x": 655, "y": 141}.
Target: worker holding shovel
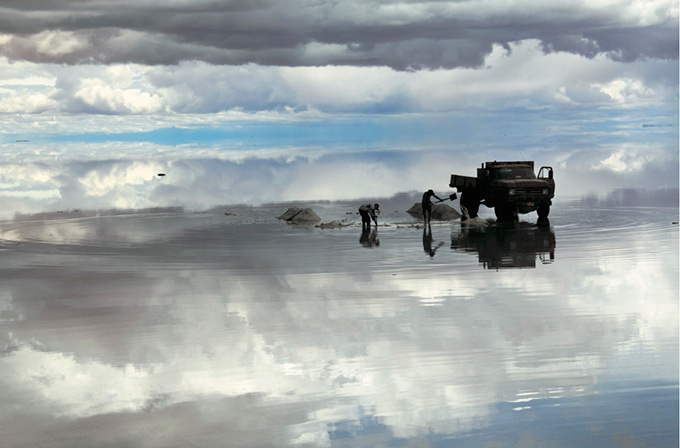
{"x": 427, "y": 204}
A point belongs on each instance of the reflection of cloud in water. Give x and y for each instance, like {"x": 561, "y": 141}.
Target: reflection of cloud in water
{"x": 336, "y": 345}
{"x": 379, "y": 355}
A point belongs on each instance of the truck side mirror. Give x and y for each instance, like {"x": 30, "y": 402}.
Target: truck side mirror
{"x": 542, "y": 171}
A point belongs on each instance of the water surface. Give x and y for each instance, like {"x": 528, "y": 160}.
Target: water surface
{"x": 176, "y": 329}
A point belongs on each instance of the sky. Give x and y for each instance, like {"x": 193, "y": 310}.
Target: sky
{"x": 266, "y": 101}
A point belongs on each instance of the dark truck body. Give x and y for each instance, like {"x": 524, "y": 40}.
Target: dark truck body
{"x": 508, "y": 187}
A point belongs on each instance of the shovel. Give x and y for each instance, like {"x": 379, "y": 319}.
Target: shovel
{"x": 450, "y": 198}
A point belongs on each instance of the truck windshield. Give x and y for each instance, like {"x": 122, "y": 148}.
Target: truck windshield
{"x": 515, "y": 172}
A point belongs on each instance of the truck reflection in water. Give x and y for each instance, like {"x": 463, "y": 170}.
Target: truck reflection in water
{"x": 502, "y": 247}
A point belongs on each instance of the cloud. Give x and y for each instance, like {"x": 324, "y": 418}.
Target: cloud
{"x": 270, "y": 88}
{"x": 517, "y": 75}
{"x": 199, "y": 179}
{"x": 627, "y": 157}
{"x": 305, "y": 33}
{"x": 59, "y": 43}
{"x": 94, "y": 94}
{"x": 609, "y": 167}
{"x": 26, "y": 102}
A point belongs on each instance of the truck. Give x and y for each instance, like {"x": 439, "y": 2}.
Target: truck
{"x": 510, "y": 188}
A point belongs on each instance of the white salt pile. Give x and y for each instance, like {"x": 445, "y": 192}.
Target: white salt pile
{"x": 440, "y": 212}
{"x": 299, "y": 215}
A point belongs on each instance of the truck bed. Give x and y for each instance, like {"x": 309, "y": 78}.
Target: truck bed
{"x": 462, "y": 183}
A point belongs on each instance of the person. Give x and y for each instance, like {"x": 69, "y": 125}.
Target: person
{"x": 368, "y": 212}
{"x": 427, "y": 204}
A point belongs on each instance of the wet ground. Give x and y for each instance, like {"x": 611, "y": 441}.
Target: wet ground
{"x": 174, "y": 329}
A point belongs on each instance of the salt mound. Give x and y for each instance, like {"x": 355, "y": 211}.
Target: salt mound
{"x": 289, "y": 213}
{"x": 333, "y": 225}
{"x": 440, "y": 212}
{"x": 476, "y": 221}
{"x": 416, "y": 211}
{"x": 444, "y": 212}
{"x": 298, "y": 215}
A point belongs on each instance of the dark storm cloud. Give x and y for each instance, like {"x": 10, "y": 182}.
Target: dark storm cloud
{"x": 402, "y": 36}
{"x": 622, "y": 45}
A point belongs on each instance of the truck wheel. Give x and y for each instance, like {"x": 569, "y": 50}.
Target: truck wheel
{"x": 505, "y": 212}
{"x": 543, "y": 211}
{"x": 470, "y": 201}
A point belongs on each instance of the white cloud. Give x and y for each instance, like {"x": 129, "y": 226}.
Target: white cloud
{"x": 629, "y": 159}
{"x": 59, "y": 43}
{"x": 519, "y": 75}
{"x": 105, "y": 175}
{"x": 628, "y": 91}
{"x": 26, "y": 102}
{"x": 98, "y": 183}
{"x": 100, "y": 96}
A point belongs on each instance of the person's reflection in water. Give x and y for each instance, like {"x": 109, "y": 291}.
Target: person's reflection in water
{"x": 427, "y": 241}
{"x": 369, "y": 237}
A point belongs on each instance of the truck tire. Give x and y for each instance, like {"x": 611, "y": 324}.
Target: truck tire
{"x": 470, "y": 200}
{"x": 505, "y": 212}
{"x": 543, "y": 211}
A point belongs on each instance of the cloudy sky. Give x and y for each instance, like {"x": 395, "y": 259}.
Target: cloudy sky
{"x": 265, "y": 100}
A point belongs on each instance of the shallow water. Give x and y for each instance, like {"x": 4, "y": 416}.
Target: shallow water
{"x": 173, "y": 329}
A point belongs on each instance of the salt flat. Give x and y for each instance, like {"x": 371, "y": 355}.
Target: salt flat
{"x": 168, "y": 328}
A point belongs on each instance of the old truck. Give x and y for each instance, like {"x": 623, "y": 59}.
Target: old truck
{"x": 510, "y": 188}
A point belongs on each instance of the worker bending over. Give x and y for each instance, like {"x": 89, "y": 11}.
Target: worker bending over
{"x": 368, "y": 212}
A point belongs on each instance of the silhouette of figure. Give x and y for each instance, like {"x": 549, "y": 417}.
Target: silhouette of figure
{"x": 427, "y": 204}
{"x": 428, "y": 240}
{"x": 369, "y": 238}
{"x": 368, "y": 212}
